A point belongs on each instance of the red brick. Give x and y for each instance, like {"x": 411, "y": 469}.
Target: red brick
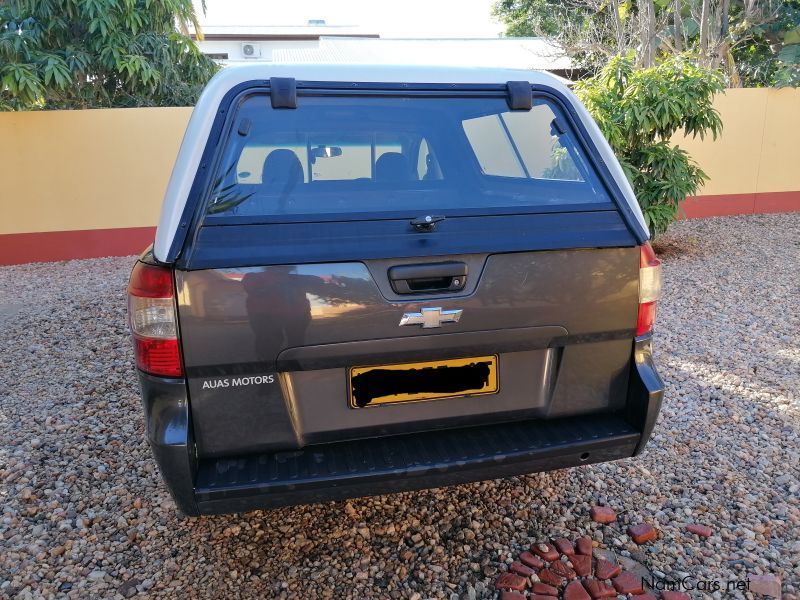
{"x": 534, "y": 562}
{"x": 546, "y": 551}
{"x": 550, "y": 578}
{"x": 628, "y": 583}
{"x": 511, "y": 596}
{"x": 510, "y": 581}
{"x": 575, "y": 591}
{"x": 667, "y": 595}
{"x": 520, "y": 569}
{"x": 564, "y": 546}
{"x": 606, "y": 570}
{"x": 766, "y": 585}
{"x": 700, "y": 530}
{"x": 544, "y": 589}
{"x": 603, "y": 514}
{"x": 582, "y": 565}
{"x": 583, "y": 545}
{"x": 542, "y": 597}
{"x": 560, "y": 568}
{"x": 642, "y": 533}
{"x": 598, "y": 589}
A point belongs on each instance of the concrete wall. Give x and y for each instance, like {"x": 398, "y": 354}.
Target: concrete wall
{"x": 753, "y": 165}
{"x": 83, "y": 183}
{"x": 77, "y": 184}
{"x": 86, "y": 169}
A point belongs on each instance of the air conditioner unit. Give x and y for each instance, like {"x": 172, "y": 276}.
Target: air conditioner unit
{"x": 251, "y": 50}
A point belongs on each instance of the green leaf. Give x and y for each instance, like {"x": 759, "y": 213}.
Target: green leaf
{"x": 647, "y": 106}
{"x": 690, "y": 27}
{"x": 790, "y": 54}
{"x": 624, "y": 9}
{"x": 21, "y": 82}
{"x": 98, "y": 53}
{"x": 792, "y": 36}
{"x": 56, "y": 72}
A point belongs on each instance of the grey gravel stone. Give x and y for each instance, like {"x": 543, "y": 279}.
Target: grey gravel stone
{"x": 82, "y": 496}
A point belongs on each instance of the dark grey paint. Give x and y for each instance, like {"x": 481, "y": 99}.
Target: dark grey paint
{"x": 409, "y": 462}
{"x": 379, "y": 270}
{"x": 526, "y": 379}
{"x": 592, "y": 377}
{"x": 169, "y": 433}
{"x": 646, "y": 391}
{"x": 426, "y": 346}
{"x": 390, "y": 464}
{"x": 239, "y": 321}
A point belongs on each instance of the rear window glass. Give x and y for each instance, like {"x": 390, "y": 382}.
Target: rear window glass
{"x": 367, "y": 154}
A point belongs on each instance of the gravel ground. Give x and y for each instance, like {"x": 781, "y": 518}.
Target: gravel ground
{"x": 85, "y": 513}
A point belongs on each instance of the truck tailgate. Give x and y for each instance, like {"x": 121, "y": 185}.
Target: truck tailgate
{"x": 268, "y": 350}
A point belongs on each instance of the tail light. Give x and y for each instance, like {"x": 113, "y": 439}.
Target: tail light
{"x": 151, "y": 312}
{"x": 649, "y": 289}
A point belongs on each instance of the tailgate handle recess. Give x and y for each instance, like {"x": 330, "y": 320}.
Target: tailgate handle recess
{"x": 427, "y": 278}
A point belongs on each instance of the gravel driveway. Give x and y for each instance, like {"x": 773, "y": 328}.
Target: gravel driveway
{"x": 85, "y": 514}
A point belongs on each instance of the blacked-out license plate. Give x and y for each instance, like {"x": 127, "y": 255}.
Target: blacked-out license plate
{"x": 417, "y": 382}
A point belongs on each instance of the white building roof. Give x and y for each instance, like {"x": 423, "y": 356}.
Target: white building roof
{"x": 260, "y": 32}
{"x": 512, "y": 53}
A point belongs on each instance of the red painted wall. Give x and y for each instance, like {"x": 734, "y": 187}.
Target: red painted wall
{"x": 18, "y": 248}
{"x": 740, "y": 204}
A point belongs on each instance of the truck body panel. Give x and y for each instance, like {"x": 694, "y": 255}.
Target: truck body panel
{"x": 410, "y": 278}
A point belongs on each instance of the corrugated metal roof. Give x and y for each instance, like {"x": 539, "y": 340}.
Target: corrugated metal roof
{"x": 245, "y": 31}
{"x": 512, "y": 53}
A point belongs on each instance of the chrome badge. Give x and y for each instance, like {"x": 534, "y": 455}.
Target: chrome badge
{"x": 431, "y": 317}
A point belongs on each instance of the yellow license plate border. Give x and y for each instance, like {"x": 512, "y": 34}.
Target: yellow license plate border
{"x": 494, "y": 377}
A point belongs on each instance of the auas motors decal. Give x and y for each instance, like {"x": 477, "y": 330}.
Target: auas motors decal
{"x": 225, "y": 382}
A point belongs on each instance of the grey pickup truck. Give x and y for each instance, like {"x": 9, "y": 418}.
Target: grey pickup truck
{"x": 371, "y": 279}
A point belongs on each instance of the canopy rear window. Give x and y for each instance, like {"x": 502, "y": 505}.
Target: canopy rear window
{"x": 388, "y": 154}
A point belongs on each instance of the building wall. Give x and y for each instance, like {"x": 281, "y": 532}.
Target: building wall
{"x": 87, "y": 169}
{"x": 753, "y": 165}
{"x": 84, "y": 183}
{"x": 233, "y": 48}
{"x": 78, "y": 184}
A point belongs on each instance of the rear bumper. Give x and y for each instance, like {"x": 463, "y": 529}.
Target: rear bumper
{"x": 410, "y": 462}
{"x": 391, "y": 464}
